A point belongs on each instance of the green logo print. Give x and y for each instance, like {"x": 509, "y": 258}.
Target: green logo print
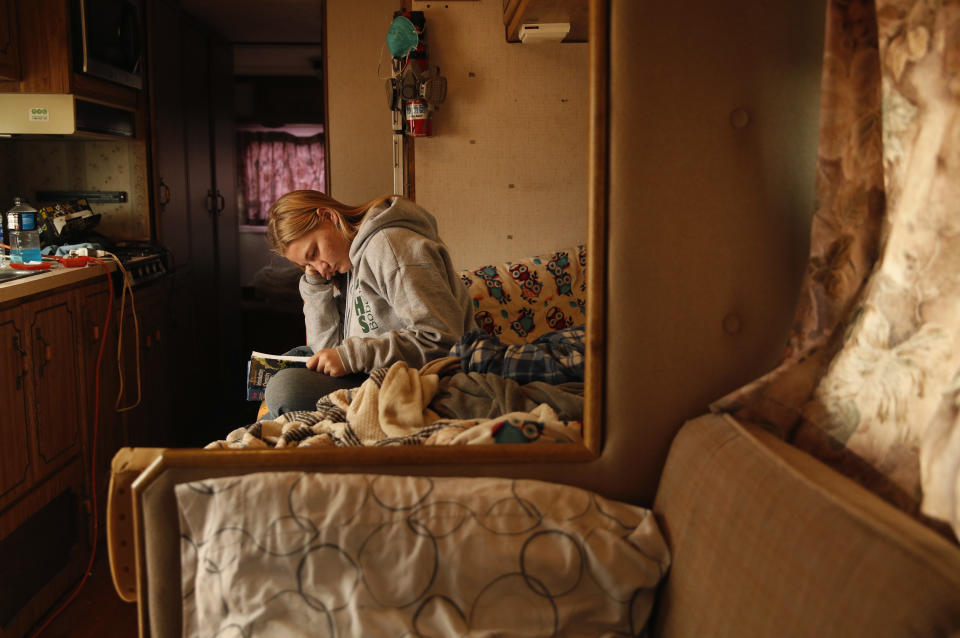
{"x": 358, "y": 306}
{"x": 364, "y": 315}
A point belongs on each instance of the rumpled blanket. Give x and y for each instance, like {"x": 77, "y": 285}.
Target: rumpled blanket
{"x": 469, "y": 395}
{"x": 393, "y": 407}
{"x": 554, "y": 358}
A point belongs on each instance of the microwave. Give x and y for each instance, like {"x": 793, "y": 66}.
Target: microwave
{"x": 108, "y": 40}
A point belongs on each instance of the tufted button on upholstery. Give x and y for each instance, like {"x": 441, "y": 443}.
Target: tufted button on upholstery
{"x": 732, "y": 324}
{"x": 739, "y": 118}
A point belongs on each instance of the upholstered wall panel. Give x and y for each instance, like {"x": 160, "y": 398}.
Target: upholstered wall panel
{"x": 713, "y": 128}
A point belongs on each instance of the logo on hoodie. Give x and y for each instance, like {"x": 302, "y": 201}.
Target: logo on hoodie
{"x": 364, "y": 315}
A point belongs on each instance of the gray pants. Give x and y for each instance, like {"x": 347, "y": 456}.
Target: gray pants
{"x": 294, "y": 389}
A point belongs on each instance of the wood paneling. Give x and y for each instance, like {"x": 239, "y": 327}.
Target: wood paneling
{"x": 41, "y": 46}
{"x": 15, "y": 469}
{"x": 70, "y": 478}
{"x": 593, "y": 417}
{"x": 44, "y": 28}
{"x": 9, "y": 42}
{"x": 103, "y": 423}
{"x": 195, "y": 179}
{"x": 55, "y": 368}
{"x": 49, "y": 346}
{"x": 95, "y": 90}
{"x": 146, "y": 372}
{"x": 170, "y": 197}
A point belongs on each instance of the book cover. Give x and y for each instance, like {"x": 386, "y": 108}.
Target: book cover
{"x": 262, "y": 366}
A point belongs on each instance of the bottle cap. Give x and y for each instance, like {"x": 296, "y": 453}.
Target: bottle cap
{"x": 21, "y": 206}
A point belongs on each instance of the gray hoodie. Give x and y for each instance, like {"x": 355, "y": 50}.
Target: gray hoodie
{"x": 401, "y": 301}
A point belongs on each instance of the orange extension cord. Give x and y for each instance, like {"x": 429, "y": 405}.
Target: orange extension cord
{"x": 93, "y": 456}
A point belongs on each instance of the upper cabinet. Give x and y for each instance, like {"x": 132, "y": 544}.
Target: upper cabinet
{"x": 519, "y": 12}
{"x": 47, "y": 47}
{"x": 9, "y": 49}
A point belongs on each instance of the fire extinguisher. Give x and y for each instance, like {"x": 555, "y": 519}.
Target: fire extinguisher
{"x": 418, "y": 119}
{"x": 413, "y": 92}
{"x": 417, "y": 115}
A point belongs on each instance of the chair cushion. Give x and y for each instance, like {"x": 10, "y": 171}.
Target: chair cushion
{"x": 767, "y": 541}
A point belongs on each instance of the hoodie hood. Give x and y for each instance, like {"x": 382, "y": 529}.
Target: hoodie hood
{"x": 396, "y": 212}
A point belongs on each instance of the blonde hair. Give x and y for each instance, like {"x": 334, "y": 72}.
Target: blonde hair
{"x": 295, "y": 214}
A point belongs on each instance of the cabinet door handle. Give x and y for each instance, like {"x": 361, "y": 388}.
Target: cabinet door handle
{"x": 47, "y": 353}
{"x": 210, "y": 203}
{"x": 94, "y": 328}
{"x": 164, "y": 193}
{"x": 221, "y": 202}
{"x": 23, "y": 361}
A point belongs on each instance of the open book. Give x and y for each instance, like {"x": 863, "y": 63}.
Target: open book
{"x": 263, "y": 366}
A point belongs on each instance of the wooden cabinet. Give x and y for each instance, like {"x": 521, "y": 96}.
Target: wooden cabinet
{"x": 46, "y": 57}
{"x": 15, "y": 442}
{"x": 168, "y": 135}
{"x": 39, "y": 59}
{"x": 43, "y": 420}
{"x": 55, "y": 371}
{"x": 9, "y": 44}
{"x": 519, "y": 12}
{"x": 147, "y": 383}
{"x": 52, "y": 396}
{"x": 101, "y": 384}
{"x": 193, "y": 143}
{"x": 43, "y": 542}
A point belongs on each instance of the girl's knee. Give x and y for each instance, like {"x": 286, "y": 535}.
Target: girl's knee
{"x": 283, "y": 392}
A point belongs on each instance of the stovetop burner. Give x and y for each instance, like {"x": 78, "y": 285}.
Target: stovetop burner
{"x": 144, "y": 262}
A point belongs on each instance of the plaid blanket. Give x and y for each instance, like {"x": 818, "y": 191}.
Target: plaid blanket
{"x": 556, "y": 357}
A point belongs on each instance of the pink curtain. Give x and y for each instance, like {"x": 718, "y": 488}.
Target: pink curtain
{"x": 272, "y": 164}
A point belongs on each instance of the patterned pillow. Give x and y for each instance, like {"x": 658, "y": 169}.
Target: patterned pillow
{"x": 522, "y": 300}
{"x": 367, "y": 555}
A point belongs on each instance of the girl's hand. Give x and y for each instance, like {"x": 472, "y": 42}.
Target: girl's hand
{"x": 315, "y": 274}
{"x": 328, "y": 362}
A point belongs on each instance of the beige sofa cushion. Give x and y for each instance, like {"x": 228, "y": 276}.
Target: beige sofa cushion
{"x": 768, "y": 541}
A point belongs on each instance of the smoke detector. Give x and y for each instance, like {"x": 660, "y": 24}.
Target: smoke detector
{"x": 544, "y": 32}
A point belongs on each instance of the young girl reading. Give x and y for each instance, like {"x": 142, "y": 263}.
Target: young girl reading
{"x": 378, "y": 287}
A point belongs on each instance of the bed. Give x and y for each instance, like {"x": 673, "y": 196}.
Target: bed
{"x": 518, "y": 378}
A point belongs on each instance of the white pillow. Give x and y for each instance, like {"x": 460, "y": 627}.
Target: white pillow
{"x": 310, "y": 554}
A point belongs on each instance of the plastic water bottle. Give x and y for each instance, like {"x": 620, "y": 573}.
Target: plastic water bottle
{"x": 23, "y": 236}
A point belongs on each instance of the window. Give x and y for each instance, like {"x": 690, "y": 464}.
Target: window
{"x": 272, "y": 163}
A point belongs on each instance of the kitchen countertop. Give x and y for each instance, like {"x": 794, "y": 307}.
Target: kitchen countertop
{"x": 57, "y": 277}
